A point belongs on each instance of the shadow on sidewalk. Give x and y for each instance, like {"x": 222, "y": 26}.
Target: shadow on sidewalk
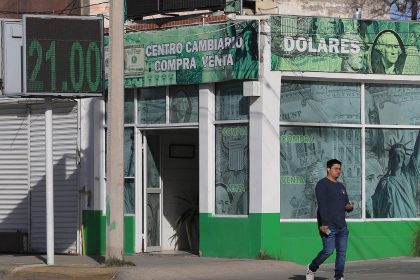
{"x": 98, "y": 259}
{"x": 303, "y": 277}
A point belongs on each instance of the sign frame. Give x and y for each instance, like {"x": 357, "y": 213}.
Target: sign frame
{"x": 61, "y": 94}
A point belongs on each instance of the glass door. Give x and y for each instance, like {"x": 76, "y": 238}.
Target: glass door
{"x": 152, "y": 183}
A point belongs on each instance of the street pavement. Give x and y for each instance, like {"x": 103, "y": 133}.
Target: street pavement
{"x": 185, "y": 266}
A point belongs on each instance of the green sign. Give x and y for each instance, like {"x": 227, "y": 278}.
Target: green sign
{"x": 192, "y": 55}
{"x": 345, "y": 45}
{"x": 61, "y": 60}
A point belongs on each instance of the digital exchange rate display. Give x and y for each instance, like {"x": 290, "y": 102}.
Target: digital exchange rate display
{"x": 63, "y": 55}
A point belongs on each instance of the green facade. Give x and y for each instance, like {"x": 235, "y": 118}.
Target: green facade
{"x": 299, "y": 241}
{"x": 94, "y": 237}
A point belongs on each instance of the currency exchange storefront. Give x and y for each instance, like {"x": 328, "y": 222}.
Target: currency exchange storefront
{"x": 246, "y": 113}
{"x": 349, "y": 90}
{"x": 186, "y": 135}
{"x": 330, "y": 88}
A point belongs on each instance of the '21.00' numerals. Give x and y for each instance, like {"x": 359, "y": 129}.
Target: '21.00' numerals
{"x": 80, "y": 67}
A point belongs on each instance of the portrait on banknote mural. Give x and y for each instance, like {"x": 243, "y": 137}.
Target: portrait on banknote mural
{"x": 223, "y": 199}
{"x": 388, "y": 53}
{"x": 391, "y": 180}
{"x": 232, "y": 170}
{"x": 183, "y": 104}
{"x": 355, "y": 61}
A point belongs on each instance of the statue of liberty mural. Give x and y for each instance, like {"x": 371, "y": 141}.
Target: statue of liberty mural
{"x": 395, "y": 195}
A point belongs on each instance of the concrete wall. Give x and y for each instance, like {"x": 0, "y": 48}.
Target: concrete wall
{"x": 373, "y": 9}
{"x": 18, "y": 7}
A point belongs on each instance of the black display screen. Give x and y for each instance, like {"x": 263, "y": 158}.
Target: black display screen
{"x": 64, "y": 55}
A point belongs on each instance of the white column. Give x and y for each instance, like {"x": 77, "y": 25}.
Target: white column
{"x": 206, "y": 148}
{"x": 49, "y": 180}
{"x": 264, "y": 146}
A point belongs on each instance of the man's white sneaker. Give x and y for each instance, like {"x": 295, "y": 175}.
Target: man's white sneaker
{"x": 310, "y": 275}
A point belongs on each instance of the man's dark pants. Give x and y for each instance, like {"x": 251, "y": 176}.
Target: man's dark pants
{"x": 337, "y": 239}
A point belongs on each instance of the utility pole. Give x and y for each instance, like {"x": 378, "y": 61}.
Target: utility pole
{"x": 115, "y": 176}
{"x": 49, "y": 180}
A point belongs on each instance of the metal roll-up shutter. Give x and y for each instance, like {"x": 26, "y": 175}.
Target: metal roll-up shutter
{"x": 65, "y": 134}
{"x": 14, "y": 215}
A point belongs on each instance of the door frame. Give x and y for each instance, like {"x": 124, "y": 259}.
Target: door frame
{"x": 140, "y": 182}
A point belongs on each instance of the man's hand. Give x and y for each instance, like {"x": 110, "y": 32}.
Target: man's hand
{"x": 349, "y": 206}
{"x": 324, "y": 230}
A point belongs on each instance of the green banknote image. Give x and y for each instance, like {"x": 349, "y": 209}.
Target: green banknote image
{"x": 344, "y": 45}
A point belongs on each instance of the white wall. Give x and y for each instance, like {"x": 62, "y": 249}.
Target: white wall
{"x": 206, "y": 147}
{"x": 264, "y": 136}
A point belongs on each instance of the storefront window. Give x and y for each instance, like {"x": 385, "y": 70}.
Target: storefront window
{"x": 320, "y": 102}
{"x": 152, "y": 105}
{"x": 153, "y": 161}
{"x": 230, "y": 102}
{"x": 153, "y": 219}
{"x": 129, "y": 106}
{"x": 392, "y": 104}
{"x": 304, "y": 152}
{"x": 183, "y": 104}
{"x": 232, "y": 176}
{"x": 392, "y": 173}
{"x": 129, "y": 196}
{"x": 129, "y": 158}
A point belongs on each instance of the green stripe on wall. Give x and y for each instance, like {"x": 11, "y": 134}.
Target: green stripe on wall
{"x": 299, "y": 241}
{"x": 230, "y": 237}
{"x": 129, "y": 234}
{"x": 94, "y": 239}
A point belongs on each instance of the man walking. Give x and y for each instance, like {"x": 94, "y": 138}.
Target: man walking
{"x": 333, "y": 202}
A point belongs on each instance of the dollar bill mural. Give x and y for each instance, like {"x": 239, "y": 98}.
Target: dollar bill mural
{"x": 320, "y": 102}
{"x": 232, "y": 176}
{"x": 303, "y": 157}
{"x": 304, "y": 151}
{"x": 191, "y": 55}
{"x": 345, "y": 45}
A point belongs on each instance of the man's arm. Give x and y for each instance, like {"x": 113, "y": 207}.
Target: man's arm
{"x": 322, "y": 200}
{"x": 348, "y": 205}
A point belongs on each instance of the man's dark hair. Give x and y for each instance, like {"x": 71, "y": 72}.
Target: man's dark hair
{"x": 333, "y": 161}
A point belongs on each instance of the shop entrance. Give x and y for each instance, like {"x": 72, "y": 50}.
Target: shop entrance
{"x": 170, "y": 187}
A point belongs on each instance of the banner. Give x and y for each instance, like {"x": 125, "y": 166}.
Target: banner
{"x": 191, "y": 55}
{"x": 345, "y": 45}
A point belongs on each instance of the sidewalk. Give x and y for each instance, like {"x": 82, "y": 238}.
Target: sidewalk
{"x": 173, "y": 267}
